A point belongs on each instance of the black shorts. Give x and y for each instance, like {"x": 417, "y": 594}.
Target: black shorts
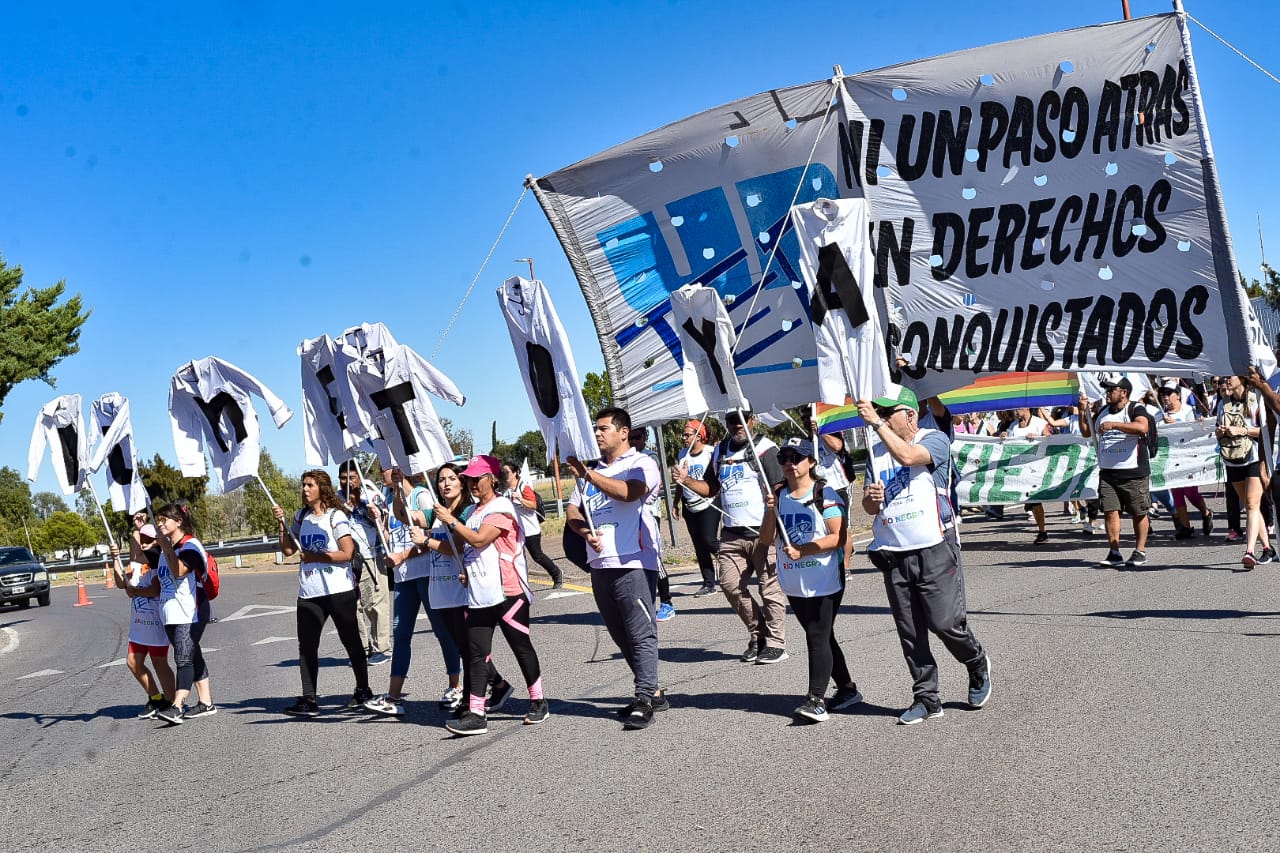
{"x": 1240, "y": 473}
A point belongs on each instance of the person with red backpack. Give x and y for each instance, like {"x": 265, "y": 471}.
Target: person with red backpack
{"x": 182, "y": 567}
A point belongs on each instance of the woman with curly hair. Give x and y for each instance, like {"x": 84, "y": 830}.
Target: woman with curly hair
{"x": 326, "y": 586}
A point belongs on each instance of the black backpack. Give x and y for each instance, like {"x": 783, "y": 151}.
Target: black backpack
{"x": 1137, "y": 410}
{"x": 540, "y": 508}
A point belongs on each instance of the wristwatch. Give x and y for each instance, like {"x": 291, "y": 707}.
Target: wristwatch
{"x": 876, "y": 425}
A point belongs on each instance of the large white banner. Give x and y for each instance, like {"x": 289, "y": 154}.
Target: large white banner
{"x": 1065, "y": 467}
{"x": 1042, "y": 204}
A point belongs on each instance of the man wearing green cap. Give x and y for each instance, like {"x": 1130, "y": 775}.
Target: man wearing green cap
{"x": 914, "y": 545}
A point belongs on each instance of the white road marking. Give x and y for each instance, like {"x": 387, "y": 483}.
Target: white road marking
{"x": 41, "y": 674}
{"x": 266, "y": 640}
{"x": 560, "y": 593}
{"x": 119, "y": 662}
{"x": 862, "y": 541}
{"x": 253, "y": 611}
{"x": 13, "y": 640}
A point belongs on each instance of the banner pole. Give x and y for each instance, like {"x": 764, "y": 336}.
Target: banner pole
{"x": 764, "y": 480}
{"x": 101, "y": 513}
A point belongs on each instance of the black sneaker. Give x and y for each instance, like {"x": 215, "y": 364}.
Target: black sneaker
{"x": 660, "y": 702}
{"x": 557, "y": 584}
{"x": 468, "y": 724}
{"x": 752, "y": 652}
{"x": 1182, "y": 532}
{"x": 705, "y": 589}
{"x": 625, "y": 710}
{"x": 201, "y": 710}
{"x": 359, "y": 698}
{"x": 149, "y": 710}
{"x": 1041, "y": 538}
{"x": 771, "y": 654}
{"x": 813, "y": 709}
{"x": 640, "y": 717}
{"x": 304, "y": 707}
{"x": 538, "y": 711}
{"x": 502, "y": 691}
{"x": 1137, "y": 558}
{"x": 1206, "y": 524}
{"x": 1268, "y": 555}
{"x": 845, "y": 697}
{"x": 1113, "y": 560}
{"x": 172, "y": 715}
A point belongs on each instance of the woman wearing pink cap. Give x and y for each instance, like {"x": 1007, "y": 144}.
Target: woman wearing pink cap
{"x": 498, "y": 595}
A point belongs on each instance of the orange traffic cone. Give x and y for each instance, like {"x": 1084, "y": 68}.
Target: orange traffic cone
{"x": 81, "y": 594}
{"x": 111, "y": 576}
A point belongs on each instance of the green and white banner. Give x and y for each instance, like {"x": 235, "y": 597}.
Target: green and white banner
{"x": 1065, "y": 467}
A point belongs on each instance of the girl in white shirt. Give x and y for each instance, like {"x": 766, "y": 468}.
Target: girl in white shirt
{"x": 147, "y": 637}
{"x": 326, "y": 587}
{"x": 810, "y": 571}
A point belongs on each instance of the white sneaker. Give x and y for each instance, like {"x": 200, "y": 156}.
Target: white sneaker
{"x": 1087, "y": 527}
{"x": 385, "y": 705}
{"x": 452, "y": 699}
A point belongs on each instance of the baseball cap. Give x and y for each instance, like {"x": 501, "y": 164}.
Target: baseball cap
{"x": 481, "y": 465}
{"x": 896, "y": 395}
{"x": 1111, "y": 382}
{"x": 803, "y": 446}
{"x": 147, "y": 530}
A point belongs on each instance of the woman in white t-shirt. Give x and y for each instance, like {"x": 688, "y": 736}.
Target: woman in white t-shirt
{"x": 326, "y": 587}
{"x": 147, "y": 637}
{"x": 1028, "y": 426}
{"x": 811, "y": 572}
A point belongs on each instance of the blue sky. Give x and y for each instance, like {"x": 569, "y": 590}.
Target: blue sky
{"x": 229, "y": 180}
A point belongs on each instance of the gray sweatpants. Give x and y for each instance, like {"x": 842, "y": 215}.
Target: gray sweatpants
{"x": 625, "y": 598}
{"x": 926, "y": 593}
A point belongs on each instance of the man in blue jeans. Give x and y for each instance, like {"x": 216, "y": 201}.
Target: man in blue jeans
{"x": 914, "y": 545}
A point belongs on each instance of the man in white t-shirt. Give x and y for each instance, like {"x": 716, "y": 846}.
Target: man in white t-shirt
{"x": 914, "y": 544}
{"x": 608, "y": 510}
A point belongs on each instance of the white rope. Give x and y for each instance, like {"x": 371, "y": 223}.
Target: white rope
{"x": 764, "y": 273}
{"x": 479, "y": 273}
{"x": 1234, "y": 49}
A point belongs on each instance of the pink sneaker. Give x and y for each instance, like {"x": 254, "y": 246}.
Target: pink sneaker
{"x": 1234, "y": 536}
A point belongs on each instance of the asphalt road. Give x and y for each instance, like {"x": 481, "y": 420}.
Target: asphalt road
{"x": 1132, "y": 710}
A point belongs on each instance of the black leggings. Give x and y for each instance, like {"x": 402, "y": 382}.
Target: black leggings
{"x": 534, "y": 546}
{"x": 512, "y": 615}
{"x": 703, "y": 527}
{"x": 187, "y": 657}
{"x": 312, "y": 613}
{"x": 817, "y": 617}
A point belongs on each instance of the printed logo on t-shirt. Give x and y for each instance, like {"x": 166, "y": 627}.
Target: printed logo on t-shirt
{"x": 733, "y": 473}
{"x": 895, "y": 484}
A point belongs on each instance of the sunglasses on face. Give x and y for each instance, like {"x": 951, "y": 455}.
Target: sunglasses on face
{"x": 789, "y": 458}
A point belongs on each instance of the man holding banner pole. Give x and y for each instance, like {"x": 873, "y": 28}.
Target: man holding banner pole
{"x": 742, "y": 469}
{"x": 916, "y": 547}
{"x": 608, "y": 510}
{"x": 1124, "y": 468}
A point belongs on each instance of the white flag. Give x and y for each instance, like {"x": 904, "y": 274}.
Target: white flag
{"x": 526, "y": 476}
{"x": 547, "y": 366}
{"x": 60, "y": 424}
{"x": 210, "y": 406}
{"x": 116, "y": 450}
{"x": 390, "y": 386}
{"x": 326, "y": 437}
{"x": 706, "y": 341}
{"x": 838, "y": 266}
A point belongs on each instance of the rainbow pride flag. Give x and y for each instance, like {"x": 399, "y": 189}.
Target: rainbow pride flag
{"x": 999, "y": 391}
{"x": 1013, "y": 391}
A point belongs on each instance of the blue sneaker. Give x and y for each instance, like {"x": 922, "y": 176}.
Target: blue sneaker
{"x": 980, "y": 684}
{"x": 666, "y": 612}
{"x": 918, "y": 713}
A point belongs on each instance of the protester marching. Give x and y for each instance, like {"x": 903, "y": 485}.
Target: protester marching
{"x": 1015, "y": 378}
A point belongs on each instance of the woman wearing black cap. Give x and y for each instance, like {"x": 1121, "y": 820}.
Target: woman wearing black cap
{"x": 810, "y": 571}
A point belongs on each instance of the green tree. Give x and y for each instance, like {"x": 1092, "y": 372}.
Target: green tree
{"x": 45, "y": 504}
{"x": 257, "y": 506}
{"x": 1269, "y": 287}
{"x": 15, "y": 499}
{"x": 166, "y": 484}
{"x": 597, "y": 391}
{"x": 66, "y": 531}
{"x": 460, "y": 439}
{"x": 532, "y": 446}
{"x": 35, "y": 331}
